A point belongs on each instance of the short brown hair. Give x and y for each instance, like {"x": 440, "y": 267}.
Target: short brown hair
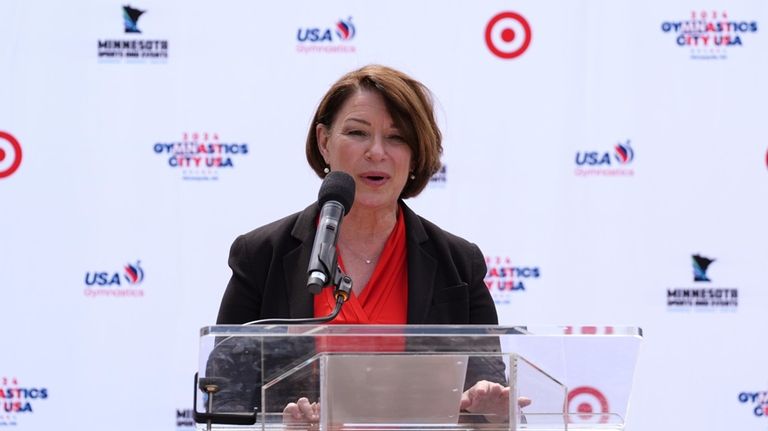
{"x": 409, "y": 103}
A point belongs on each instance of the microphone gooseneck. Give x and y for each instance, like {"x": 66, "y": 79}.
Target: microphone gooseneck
{"x": 342, "y": 292}
{"x": 335, "y": 198}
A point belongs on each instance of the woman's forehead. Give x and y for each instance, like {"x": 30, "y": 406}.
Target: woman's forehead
{"x": 366, "y": 107}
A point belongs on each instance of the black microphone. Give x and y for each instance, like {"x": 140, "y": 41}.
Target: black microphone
{"x": 337, "y": 193}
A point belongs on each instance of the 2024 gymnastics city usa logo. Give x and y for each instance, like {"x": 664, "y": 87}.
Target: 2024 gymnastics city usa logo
{"x": 616, "y": 162}
{"x": 132, "y": 49}
{"x": 505, "y": 279}
{"x": 201, "y": 155}
{"x": 124, "y": 282}
{"x": 709, "y": 34}
{"x": 334, "y": 39}
{"x": 703, "y": 295}
{"x": 757, "y": 401}
{"x": 10, "y": 154}
{"x": 18, "y": 400}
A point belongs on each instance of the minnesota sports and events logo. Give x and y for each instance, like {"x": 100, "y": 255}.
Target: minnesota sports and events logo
{"x": 201, "y": 155}
{"x": 132, "y": 50}
{"x": 612, "y": 163}
{"x": 123, "y": 282}
{"x": 757, "y": 401}
{"x": 703, "y": 295}
{"x": 440, "y": 178}
{"x": 508, "y": 35}
{"x": 504, "y": 278}
{"x": 709, "y": 34}
{"x": 10, "y": 154}
{"x": 184, "y": 420}
{"x": 330, "y": 39}
{"x": 18, "y": 400}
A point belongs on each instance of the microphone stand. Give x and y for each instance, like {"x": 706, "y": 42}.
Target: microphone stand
{"x": 342, "y": 284}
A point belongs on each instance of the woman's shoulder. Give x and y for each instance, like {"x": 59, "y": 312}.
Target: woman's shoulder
{"x": 424, "y": 229}
{"x": 278, "y": 232}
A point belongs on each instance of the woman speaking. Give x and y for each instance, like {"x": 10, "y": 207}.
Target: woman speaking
{"x": 377, "y": 125}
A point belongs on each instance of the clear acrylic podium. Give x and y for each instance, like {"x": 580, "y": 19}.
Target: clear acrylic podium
{"x": 412, "y": 377}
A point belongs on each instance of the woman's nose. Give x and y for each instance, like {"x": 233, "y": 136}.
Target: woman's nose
{"x": 375, "y": 150}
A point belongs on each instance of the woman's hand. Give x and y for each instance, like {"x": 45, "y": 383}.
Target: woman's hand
{"x": 490, "y": 399}
{"x": 302, "y": 411}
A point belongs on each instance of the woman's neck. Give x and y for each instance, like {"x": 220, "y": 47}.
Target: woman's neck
{"x": 364, "y": 225}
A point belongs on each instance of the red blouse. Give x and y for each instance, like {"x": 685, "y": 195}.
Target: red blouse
{"x": 384, "y": 300}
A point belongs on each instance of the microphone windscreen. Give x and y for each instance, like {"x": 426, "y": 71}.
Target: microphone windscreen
{"x": 337, "y": 186}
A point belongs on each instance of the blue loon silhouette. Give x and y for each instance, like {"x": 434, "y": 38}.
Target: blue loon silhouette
{"x": 700, "y": 265}
{"x": 130, "y": 18}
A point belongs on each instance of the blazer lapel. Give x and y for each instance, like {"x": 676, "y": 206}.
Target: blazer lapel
{"x": 300, "y": 301}
{"x": 421, "y": 268}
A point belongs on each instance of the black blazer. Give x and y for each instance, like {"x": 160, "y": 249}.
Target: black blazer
{"x": 269, "y": 274}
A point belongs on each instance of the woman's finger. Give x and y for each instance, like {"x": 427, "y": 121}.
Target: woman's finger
{"x": 306, "y": 408}
{"x": 291, "y": 411}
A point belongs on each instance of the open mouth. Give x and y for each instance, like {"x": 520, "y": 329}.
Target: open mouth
{"x": 374, "y": 177}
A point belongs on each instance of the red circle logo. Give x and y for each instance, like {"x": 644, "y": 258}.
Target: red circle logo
{"x": 10, "y": 154}
{"x": 508, "y": 35}
{"x": 588, "y": 405}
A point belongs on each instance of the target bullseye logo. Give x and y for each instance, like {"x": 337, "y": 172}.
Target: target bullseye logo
{"x": 508, "y": 35}
{"x": 10, "y": 154}
{"x": 587, "y": 404}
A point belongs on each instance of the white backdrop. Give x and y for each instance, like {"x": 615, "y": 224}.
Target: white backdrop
{"x": 678, "y": 123}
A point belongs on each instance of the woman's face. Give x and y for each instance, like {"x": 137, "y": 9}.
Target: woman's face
{"x": 364, "y": 142}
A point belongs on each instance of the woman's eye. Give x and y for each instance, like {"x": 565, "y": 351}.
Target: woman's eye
{"x": 397, "y": 138}
{"x": 356, "y": 133}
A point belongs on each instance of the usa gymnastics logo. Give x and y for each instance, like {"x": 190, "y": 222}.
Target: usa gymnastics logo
{"x": 200, "y": 155}
{"x": 508, "y": 35}
{"x": 18, "y": 400}
{"x": 606, "y": 163}
{"x": 758, "y": 401}
{"x": 702, "y": 298}
{"x": 118, "y": 50}
{"x": 505, "y": 279}
{"x": 124, "y": 282}
{"x": 587, "y": 404}
{"x": 333, "y": 39}
{"x": 709, "y": 34}
{"x": 10, "y": 154}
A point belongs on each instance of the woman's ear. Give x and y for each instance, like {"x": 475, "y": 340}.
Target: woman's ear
{"x": 321, "y": 134}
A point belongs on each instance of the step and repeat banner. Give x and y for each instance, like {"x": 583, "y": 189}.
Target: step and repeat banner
{"x": 610, "y": 158}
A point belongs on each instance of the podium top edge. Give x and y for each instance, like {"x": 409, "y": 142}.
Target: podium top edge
{"x": 423, "y": 330}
